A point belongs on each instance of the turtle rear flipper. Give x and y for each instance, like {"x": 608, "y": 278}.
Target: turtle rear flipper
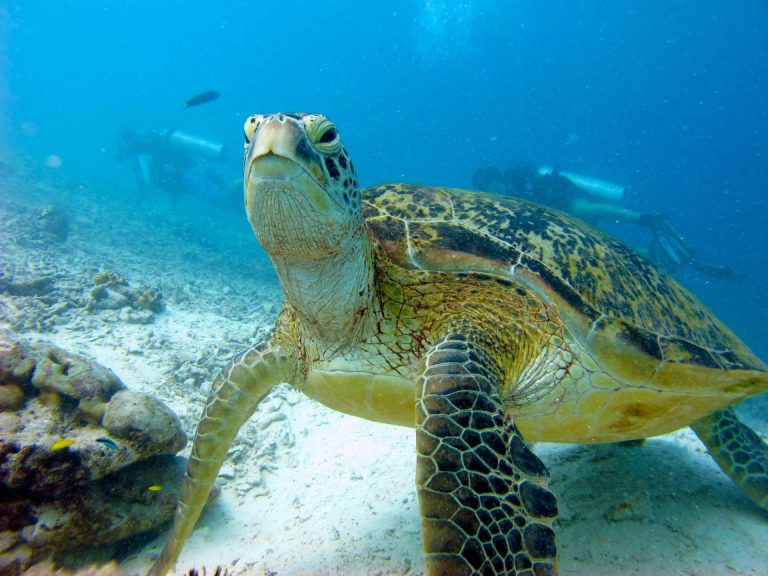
{"x": 236, "y": 392}
{"x": 483, "y": 494}
{"x": 739, "y": 452}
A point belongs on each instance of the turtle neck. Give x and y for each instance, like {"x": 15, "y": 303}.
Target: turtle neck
{"x": 332, "y": 296}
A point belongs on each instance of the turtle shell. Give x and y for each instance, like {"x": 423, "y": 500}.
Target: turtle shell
{"x": 598, "y": 285}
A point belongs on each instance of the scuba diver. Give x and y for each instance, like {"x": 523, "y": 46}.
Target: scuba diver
{"x": 594, "y": 200}
{"x": 176, "y": 162}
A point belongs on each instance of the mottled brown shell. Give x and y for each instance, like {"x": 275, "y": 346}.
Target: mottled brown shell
{"x": 596, "y": 282}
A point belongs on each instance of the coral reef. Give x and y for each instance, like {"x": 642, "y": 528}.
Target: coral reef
{"x": 111, "y": 292}
{"x": 149, "y": 299}
{"x": 40, "y": 302}
{"x": 83, "y": 460}
{"x": 109, "y": 278}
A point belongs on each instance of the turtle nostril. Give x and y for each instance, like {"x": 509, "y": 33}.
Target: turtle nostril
{"x": 281, "y": 118}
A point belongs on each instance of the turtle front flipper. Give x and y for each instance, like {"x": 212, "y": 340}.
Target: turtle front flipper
{"x": 483, "y": 494}
{"x": 237, "y": 391}
{"x": 739, "y": 452}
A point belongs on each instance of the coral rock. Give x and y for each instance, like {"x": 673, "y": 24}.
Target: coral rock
{"x": 150, "y": 299}
{"x": 77, "y": 455}
{"x": 16, "y": 361}
{"x": 141, "y": 418}
{"x": 11, "y": 397}
{"x": 103, "y": 297}
{"x": 109, "y": 278}
{"x": 47, "y": 569}
{"x": 54, "y": 221}
{"x": 74, "y": 376}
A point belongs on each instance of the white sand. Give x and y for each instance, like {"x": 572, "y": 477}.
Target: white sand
{"x": 308, "y": 490}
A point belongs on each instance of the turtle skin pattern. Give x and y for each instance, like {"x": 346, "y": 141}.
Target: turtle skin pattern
{"x": 483, "y": 494}
{"x": 237, "y": 391}
{"x": 739, "y": 452}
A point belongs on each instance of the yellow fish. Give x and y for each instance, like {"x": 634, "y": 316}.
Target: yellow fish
{"x": 155, "y": 488}
{"x": 61, "y": 444}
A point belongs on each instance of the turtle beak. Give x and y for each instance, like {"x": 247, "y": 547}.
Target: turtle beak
{"x": 281, "y": 169}
{"x": 276, "y": 137}
{"x": 281, "y": 137}
{"x": 271, "y": 166}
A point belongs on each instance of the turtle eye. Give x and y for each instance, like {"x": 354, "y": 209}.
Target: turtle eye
{"x": 251, "y": 125}
{"x": 324, "y": 137}
{"x": 328, "y": 136}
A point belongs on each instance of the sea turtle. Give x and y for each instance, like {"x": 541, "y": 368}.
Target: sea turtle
{"x": 484, "y": 322}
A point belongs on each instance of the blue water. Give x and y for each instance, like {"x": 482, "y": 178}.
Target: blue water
{"x": 667, "y": 97}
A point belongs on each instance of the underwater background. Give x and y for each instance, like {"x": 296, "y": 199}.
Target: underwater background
{"x": 666, "y": 98}
{"x": 669, "y": 98}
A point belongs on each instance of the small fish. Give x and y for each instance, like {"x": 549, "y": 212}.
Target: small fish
{"x": 108, "y": 442}
{"x": 61, "y": 444}
{"x": 155, "y": 488}
{"x": 202, "y": 98}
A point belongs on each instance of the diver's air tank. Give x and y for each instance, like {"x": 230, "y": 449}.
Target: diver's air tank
{"x": 598, "y": 189}
{"x": 193, "y": 144}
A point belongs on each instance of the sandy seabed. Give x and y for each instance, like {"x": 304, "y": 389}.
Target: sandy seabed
{"x": 306, "y": 490}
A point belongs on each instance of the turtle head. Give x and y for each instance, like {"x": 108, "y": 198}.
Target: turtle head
{"x": 301, "y": 192}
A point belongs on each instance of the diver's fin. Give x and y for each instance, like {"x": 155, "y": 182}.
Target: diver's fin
{"x": 716, "y": 271}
